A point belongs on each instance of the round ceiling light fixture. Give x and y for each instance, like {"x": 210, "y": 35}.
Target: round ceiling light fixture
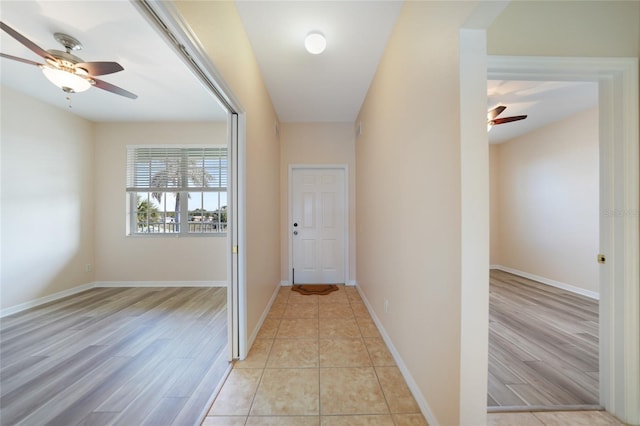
{"x": 315, "y": 43}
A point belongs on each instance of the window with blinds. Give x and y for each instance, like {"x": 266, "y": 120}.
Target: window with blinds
{"x": 177, "y": 190}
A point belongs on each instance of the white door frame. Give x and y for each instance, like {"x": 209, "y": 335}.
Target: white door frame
{"x": 619, "y": 215}
{"x": 166, "y": 19}
{"x": 345, "y": 169}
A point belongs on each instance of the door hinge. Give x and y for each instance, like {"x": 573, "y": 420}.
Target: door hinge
{"x": 602, "y": 259}
{"x": 234, "y": 249}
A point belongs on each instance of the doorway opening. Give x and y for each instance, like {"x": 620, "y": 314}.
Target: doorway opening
{"x": 617, "y": 79}
{"x": 544, "y": 289}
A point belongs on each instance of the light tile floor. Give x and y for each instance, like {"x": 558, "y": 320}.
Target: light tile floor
{"x": 320, "y": 360}
{"x": 317, "y": 360}
{"x": 553, "y": 418}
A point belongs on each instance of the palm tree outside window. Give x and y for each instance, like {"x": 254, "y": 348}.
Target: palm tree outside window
{"x": 177, "y": 190}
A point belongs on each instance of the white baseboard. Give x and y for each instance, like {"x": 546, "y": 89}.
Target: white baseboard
{"x": 46, "y": 299}
{"x": 256, "y": 330}
{"x": 352, "y": 283}
{"x": 285, "y": 283}
{"x": 568, "y": 287}
{"x": 411, "y": 383}
{"x": 160, "y": 284}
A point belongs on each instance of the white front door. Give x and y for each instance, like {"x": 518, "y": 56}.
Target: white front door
{"x": 318, "y": 226}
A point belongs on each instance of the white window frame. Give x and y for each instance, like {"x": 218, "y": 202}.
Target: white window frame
{"x": 132, "y": 204}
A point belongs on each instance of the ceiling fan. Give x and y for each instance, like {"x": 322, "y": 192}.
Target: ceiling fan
{"x": 492, "y": 115}
{"x": 66, "y": 70}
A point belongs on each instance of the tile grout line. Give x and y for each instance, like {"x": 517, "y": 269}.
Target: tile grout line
{"x": 375, "y": 372}
{"x": 318, "y": 367}
{"x": 264, "y": 368}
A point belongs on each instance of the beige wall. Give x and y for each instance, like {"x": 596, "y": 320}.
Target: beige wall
{"x": 70, "y": 206}
{"x": 138, "y": 258}
{"x": 410, "y": 120}
{"x": 494, "y": 214}
{"x": 316, "y": 143}
{"x": 219, "y": 29}
{"x": 567, "y": 28}
{"x": 408, "y": 166}
{"x": 546, "y": 204}
{"x": 533, "y": 28}
{"x": 47, "y": 200}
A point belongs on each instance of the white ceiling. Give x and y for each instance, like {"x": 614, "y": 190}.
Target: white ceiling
{"x": 303, "y": 87}
{"x": 544, "y": 102}
{"x": 326, "y": 87}
{"x": 109, "y": 31}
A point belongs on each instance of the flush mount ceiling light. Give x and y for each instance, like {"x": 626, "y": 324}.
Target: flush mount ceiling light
{"x": 315, "y": 43}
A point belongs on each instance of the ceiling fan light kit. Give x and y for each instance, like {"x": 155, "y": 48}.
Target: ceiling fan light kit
{"x": 67, "y": 80}
{"x": 65, "y": 70}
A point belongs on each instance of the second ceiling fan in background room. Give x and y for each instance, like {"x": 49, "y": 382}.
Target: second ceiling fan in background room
{"x": 493, "y": 120}
{"x": 66, "y": 70}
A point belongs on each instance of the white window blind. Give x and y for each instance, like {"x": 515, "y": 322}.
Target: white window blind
{"x": 176, "y": 169}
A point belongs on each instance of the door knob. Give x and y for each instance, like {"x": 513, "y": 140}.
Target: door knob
{"x": 295, "y": 232}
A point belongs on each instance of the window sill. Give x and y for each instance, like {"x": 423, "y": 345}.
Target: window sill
{"x": 217, "y": 235}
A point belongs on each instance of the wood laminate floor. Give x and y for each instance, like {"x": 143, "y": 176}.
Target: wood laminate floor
{"x": 543, "y": 345}
{"x": 126, "y": 356}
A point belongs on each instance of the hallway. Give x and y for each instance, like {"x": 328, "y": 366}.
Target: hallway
{"x": 316, "y": 360}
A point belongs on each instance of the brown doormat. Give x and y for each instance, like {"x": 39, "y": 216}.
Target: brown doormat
{"x": 310, "y": 289}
